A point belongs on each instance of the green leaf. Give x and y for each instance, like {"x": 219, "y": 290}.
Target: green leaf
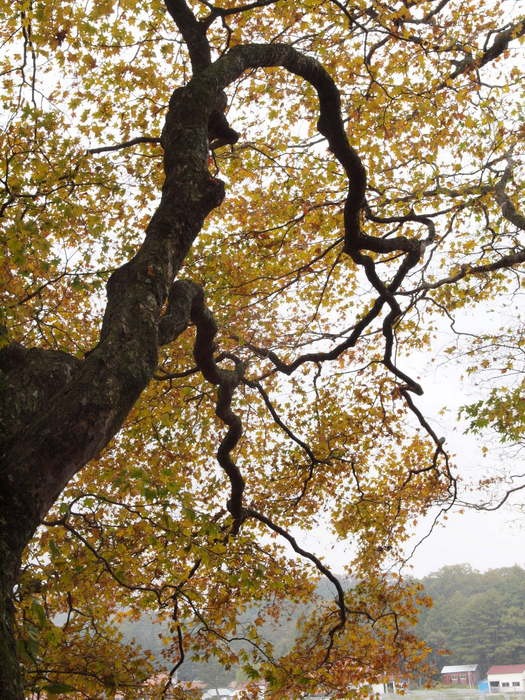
{"x": 59, "y": 688}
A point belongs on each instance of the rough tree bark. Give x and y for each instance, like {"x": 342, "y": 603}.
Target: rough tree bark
{"x": 59, "y": 412}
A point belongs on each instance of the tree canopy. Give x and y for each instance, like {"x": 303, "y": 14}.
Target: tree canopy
{"x": 475, "y": 618}
{"x": 226, "y": 231}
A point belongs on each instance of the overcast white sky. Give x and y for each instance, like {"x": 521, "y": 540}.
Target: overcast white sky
{"x": 485, "y": 540}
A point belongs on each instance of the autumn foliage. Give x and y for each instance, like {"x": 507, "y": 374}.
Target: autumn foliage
{"x": 225, "y": 232}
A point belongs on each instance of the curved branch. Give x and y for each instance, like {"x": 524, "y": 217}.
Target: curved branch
{"x": 216, "y": 11}
{"x": 125, "y": 144}
{"x": 331, "y": 125}
{"x": 508, "y": 209}
{"x": 496, "y": 506}
{"x": 324, "y": 570}
{"x": 177, "y": 316}
{"x": 180, "y": 649}
{"x": 193, "y": 32}
{"x": 499, "y": 45}
{"x": 226, "y": 381}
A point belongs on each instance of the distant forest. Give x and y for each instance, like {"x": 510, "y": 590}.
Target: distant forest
{"x": 475, "y": 619}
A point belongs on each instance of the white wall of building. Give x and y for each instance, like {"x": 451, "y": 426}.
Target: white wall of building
{"x": 508, "y": 682}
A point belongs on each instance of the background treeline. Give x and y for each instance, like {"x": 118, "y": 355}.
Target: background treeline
{"x": 476, "y": 618}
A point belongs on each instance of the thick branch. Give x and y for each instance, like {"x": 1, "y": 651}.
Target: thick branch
{"x": 82, "y": 415}
{"x": 226, "y": 381}
{"x": 330, "y": 124}
{"x": 216, "y": 11}
{"x": 193, "y": 32}
{"x": 508, "y": 209}
{"x": 499, "y": 45}
{"x": 178, "y": 312}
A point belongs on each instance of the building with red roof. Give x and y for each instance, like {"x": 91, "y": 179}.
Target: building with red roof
{"x": 506, "y": 679}
{"x": 463, "y": 676}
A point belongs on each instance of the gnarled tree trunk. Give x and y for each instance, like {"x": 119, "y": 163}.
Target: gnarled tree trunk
{"x": 58, "y": 412}
{"x": 10, "y": 677}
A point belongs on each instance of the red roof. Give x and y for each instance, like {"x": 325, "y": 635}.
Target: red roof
{"x": 493, "y": 670}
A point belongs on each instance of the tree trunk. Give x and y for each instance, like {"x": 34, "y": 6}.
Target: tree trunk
{"x": 10, "y": 670}
{"x": 57, "y": 412}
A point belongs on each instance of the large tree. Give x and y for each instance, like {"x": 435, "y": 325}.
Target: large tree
{"x": 227, "y": 229}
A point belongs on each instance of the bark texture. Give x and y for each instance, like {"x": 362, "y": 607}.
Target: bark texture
{"x": 57, "y": 412}
{"x": 10, "y": 676}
